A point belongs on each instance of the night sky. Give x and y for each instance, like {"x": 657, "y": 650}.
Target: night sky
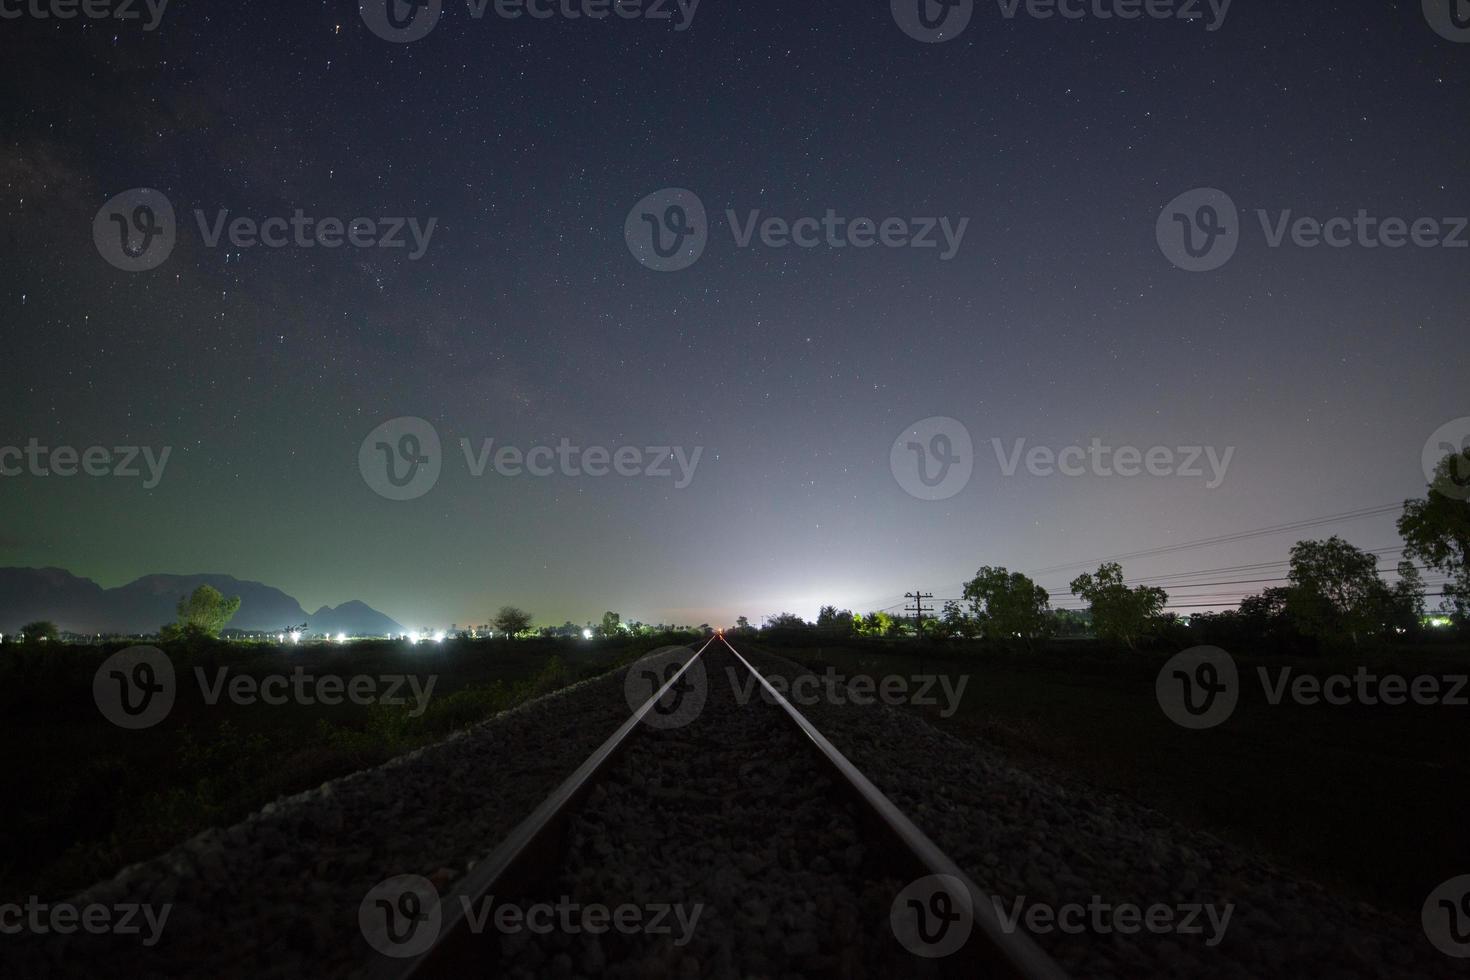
{"x": 528, "y": 320}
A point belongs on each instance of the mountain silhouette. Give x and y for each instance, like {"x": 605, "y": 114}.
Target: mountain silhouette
{"x": 80, "y": 605}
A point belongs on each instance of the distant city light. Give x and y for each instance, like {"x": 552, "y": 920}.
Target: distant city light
{"x": 293, "y": 637}
{"x": 439, "y": 637}
{"x": 341, "y": 637}
{"x": 280, "y": 637}
{"x": 586, "y": 634}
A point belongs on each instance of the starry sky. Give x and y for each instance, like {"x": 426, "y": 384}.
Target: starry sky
{"x": 528, "y": 319}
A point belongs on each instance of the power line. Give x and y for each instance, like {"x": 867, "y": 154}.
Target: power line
{"x": 1227, "y": 538}
{"x": 1167, "y": 578}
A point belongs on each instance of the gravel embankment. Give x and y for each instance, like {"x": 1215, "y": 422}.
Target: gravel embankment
{"x": 1050, "y": 841}
{"x": 277, "y": 894}
{"x": 732, "y": 814}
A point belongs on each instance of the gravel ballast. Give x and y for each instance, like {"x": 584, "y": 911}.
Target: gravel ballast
{"x": 731, "y": 813}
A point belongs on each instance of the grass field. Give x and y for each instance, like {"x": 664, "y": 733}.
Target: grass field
{"x": 85, "y": 798}
{"x": 1370, "y": 799}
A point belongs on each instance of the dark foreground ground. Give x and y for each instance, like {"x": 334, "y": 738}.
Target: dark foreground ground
{"x": 84, "y": 798}
{"x": 1367, "y": 799}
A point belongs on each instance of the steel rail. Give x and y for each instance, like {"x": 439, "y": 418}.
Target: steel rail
{"x": 996, "y": 951}
{"x": 456, "y": 950}
{"x": 990, "y": 951}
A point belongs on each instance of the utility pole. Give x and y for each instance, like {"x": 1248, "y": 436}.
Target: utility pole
{"x": 918, "y": 609}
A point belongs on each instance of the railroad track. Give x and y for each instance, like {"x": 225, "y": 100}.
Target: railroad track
{"x": 724, "y": 797}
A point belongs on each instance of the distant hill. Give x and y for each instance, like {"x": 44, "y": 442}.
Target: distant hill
{"x": 80, "y": 605}
{"x": 353, "y": 618}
